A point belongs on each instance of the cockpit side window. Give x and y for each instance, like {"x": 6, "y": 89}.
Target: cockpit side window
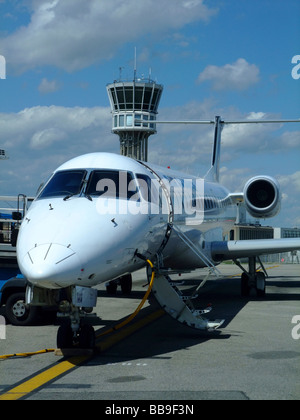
{"x": 148, "y": 188}
{"x": 64, "y": 183}
{"x": 111, "y": 184}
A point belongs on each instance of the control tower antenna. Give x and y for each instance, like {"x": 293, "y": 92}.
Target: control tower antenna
{"x": 134, "y": 107}
{"x": 134, "y": 78}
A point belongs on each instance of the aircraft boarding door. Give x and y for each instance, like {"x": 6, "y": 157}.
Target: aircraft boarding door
{"x": 166, "y": 207}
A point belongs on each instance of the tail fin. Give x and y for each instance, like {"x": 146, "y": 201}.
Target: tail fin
{"x": 213, "y": 173}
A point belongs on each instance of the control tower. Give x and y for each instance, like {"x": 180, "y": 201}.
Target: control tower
{"x": 134, "y": 108}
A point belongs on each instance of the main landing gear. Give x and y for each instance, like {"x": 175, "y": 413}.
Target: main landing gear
{"x": 124, "y": 281}
{"x": 253, "y": 279}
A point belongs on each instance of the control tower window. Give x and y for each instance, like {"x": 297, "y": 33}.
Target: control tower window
{"x": 152, "y": 119}
{"x": 155, "y": 99}
{"x": 110, "y": 184}
{"x": 138, "y": 97}
{"x": 138, "y": 117}
{"x": 64, "y": 183}
{"x": 147, "y": 99}
{"x": 122, "y": 121}
{"x": 114, "y": 99}
{"x": 145, "y": 118}
{"x": 129, "y": 98}
{"x": 121, "y": 98}
{"x": 129, "y": 120}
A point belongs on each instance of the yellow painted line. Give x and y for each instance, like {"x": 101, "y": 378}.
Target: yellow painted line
{"x": 125, "y": 332}
{"x": 42, "y": 378}
{"x": 63, "y": 367}
{"x": 267, "y": 268}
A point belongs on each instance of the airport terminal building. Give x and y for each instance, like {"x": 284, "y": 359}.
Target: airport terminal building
{"x": 256, "y": 231}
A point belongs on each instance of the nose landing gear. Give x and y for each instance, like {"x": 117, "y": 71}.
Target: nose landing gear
{"x": 83, "y": 338}
{"x": 75, "y": 332}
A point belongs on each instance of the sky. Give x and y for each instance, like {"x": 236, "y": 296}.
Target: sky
{"x": 234, "y": 58}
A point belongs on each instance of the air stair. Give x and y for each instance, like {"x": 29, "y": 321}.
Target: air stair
{"x": 176, "y": 302}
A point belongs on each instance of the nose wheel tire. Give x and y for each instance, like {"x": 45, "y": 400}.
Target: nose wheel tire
{"x": 85, "y": 339}
{"x": 64, "y": 337}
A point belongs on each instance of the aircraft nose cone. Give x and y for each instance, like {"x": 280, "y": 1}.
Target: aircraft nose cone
{"x": 50, "y": 265}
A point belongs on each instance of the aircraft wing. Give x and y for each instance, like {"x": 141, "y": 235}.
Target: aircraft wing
{"x": 227, "y": 250}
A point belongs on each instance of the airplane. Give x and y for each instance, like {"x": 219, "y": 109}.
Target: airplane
{"x": 102, "y": 216}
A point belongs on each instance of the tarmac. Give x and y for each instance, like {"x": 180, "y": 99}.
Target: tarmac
{"x": 255, "y": 355}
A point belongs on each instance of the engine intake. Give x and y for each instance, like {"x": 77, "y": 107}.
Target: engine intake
{"x": 262, "y": 197}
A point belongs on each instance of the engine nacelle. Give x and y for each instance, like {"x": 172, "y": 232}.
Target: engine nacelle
{"x": 262, "y": 197}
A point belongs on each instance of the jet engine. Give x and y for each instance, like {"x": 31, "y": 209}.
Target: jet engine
{"x": 262, "y": 197}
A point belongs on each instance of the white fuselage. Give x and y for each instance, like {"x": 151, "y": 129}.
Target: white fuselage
{"x": 99, "y": 210}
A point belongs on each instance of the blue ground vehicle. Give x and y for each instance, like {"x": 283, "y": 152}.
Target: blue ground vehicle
{"x": 12, "y": 295}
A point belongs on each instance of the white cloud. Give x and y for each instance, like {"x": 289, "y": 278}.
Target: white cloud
{"x": 47, "y": 137}
{"x": 48, "y": 86}
{"x": 290, "y": 139}
{"x": 292, "y": 182}
{"x": 234, "y": 179}
{"x": 20, "y": 128}
{"x": 236, "y": 76}
{"x": 249, "y": 137}
{"x": 72, "y": 34}
{"x": 41, "y": 138}
{"x": 290, "y": 186}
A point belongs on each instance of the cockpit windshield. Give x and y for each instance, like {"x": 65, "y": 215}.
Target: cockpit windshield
{"x": 111, "y": 184}
{"x": 104, "y": 183}
{"x": 64, "y": 183}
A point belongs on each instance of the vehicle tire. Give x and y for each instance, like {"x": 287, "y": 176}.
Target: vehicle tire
{"x": 17, "y": 312}
{"x": 64, "y": 339}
